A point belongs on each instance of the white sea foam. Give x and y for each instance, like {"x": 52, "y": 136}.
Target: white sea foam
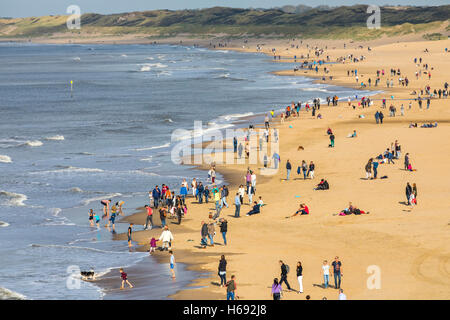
{"x": 314, "y": 89}
{"x": 145, "y": 68}
{"x": 33, "y": 143}
{"x": 69, "y": 169}
{"x": 56, "y": 211}
{"x": 13, "y": 199}
{"x": 149, "y": 58}
{"x": 57, "y": 137}
{"x": 168, "y": 120}
{"x": 6, "y": 294}
{"x": 35, "y": 245}
{"x": 76, "y": 59}
{"x": 76, "y": 190}
{"x": 152, "y": 148}
{"x": 124, "y": 55}
{"x": 230, "y": 117}
{"x": 4, "y": 224}
{"x": 5, "y": 159}
{"x": 149, "y": 159}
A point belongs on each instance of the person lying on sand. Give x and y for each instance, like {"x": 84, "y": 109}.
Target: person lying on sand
{"x": 352, "y": 210}
{"x": 255, "y": 209}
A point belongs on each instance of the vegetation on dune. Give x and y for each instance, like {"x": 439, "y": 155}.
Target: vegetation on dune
{"x": 320, "y": 22}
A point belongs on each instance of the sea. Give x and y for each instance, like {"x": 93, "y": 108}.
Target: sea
{"x": 82, "y": 123}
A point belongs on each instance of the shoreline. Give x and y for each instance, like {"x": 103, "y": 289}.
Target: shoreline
{"x": 231, "y": 176}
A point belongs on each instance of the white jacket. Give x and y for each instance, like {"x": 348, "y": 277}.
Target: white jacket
{"x": 166, "y": 236}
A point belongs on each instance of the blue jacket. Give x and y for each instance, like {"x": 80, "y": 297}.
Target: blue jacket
{"x": 156, "y": 193}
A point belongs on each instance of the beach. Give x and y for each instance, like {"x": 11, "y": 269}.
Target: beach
{"x": 409, "y": 247}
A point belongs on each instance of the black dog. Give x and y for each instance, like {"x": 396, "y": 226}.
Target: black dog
{"x": 87, "y": 275}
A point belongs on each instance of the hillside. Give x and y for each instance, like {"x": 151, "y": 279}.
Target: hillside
{"x": 340, "y": 22}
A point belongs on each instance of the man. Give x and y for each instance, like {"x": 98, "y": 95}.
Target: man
{"x": 381, "y": 116}
{"x": 288, "y": 169}
{"x": 200, "y": 190}
{"x": 166, "y": 237}
{"x": 156, "y": 194}
{"x": 284, "y": 273}
{"x": 240, "y": 150}
{"x": 237, "y": 203}
{"x": 406, "y": 161}
{"x": 231, "y": 288}
{"x": 149, "y": 217}
{"x": 332, "y": 140}
{"x": 235, "y": 144}
{"x": 224, "y": 230}
{"x": 303, "y": 210}
{"x": 211, "y": 232}
{"x": 255, "y": 209}
{"x": 337, "y": 271}
{"x": 342, "y": 295}
{"x": 224, "y": 195}
{"x": 375, "y": 169}
{"x": 204, "y": 234}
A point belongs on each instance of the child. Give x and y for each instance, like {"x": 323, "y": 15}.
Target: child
{"x": 152, "y": 245}
{"x": 172, "y": 264}
{"x": 91, "y": 217}
{"x": 97, "y": 220}
{"x": 123, "y": 275}
{"x": 185, "y": 210}
{"x": 260, "y": 201}
{"x": 130, "y": 230}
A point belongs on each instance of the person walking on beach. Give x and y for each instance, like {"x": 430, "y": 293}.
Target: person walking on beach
{"x": 300, "y": 276}
{"x": 240, "y": 150}
{"x": 216, "y": 195}
{"x": 337, "y": 272}
{"x": 325, "y": 273}
{"x": 204, "y": 235}
{"x": 112, "y": 219}
{"x": 304, "y": 169}
{"x": 375, "y": 168}
{"x": 149, "y": 217}
{"x": 156, "y": 194}
{"x": 231, "y": 288}
{"x": 172, "y": 264}
{"x": 414, "y": 192}
{"x": 222, "y": 271}
{"x": 406, "y": 161}
{"x": 237, "y": 204}
{"x": 224, "y": 195}
{"x": 288, "y": 169}
{"x": 381, "y": 116}
{"x": 124, "y": 278}
{"x": 369, "y": 169}
{"x": 284, "y": 272}
{"x": 312, "y": 167}
{"x": 332, "y": 140}
{"x": 166, "y": 237}
{"x": 276, "y": 160}
{"x": 276, "y": 290}
{"x": 211, "y": 232}
{"x": 224, "y": 230}
{"x": 235, "y": 144}
{"x": 179, "y": 211}
{"x": 408, "y": 192}
{"x": 130, "y": 231}
{"x": 162, "y": 216}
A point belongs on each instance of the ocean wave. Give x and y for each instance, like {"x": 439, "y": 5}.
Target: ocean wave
{"x": 154, "y": 147}
{"x": 168, "y": 120}
{"x": 76, "y": 59}
{"x": 70, "y": 169}
{"x": 57, "y": 137}
{"x": 35, "y": 245}
{"x": 56, "y": 211}
{"x": 5, "y": 159}
{"x": 6, "y": 294}
{"x": 149, "y": 159}
{"x": 212, "y": 126}
{"x": 314, "y": 89}
{"x": 33, "y": 143}
{"x": 4, "y": 224}
{"x": 13, "y": 199}
{"x": 230, "y": 117}
{"x": 103, "y": 197}
{"x": 149, "y": 58}
{"x": 76, "y": 190}
{"x": 124, "y": 56}
{"x": 148, "y": 66}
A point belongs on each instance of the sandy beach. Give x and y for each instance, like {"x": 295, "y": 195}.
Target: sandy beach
{"x": 409, "y": 246}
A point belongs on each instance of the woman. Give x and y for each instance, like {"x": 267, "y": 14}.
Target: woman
{"x": 224, "y": 230}
{"x": 276, "y": 290}
{"x": 414, "y": 188}
{"x": 223, "y": 271}
{"x": 241, "y": 193}
{"x": 300, "y": 276}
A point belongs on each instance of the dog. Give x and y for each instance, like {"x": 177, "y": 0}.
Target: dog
{"x": 300, "y": 148}
{"x": 87, "y": 275}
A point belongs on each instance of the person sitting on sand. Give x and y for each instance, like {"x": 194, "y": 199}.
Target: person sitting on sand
{"x": 323, "y": 185}
{"x": 255, "y": 210}
{"x": 352, "y": 135}
{"x": 303, "y": 210}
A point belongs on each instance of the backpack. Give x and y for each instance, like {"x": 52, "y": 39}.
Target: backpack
{"x": 287, "y": 268}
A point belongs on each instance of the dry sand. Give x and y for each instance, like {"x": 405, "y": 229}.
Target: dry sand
{"x": 411, "y": 247}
